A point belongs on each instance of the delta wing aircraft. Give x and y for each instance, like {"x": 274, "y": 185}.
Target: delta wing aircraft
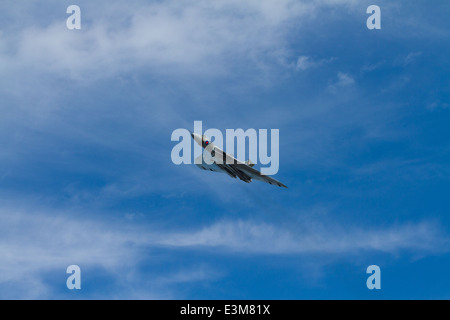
{"x": 230, "y": 165}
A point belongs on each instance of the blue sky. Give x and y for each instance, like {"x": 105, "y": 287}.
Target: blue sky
{"x": 86, "y": 176}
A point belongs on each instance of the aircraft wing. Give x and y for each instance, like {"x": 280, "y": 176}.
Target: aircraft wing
{"x": 244, "y": 172}
{"x": 205, "y": 166}
{"x": 255, "y": 174}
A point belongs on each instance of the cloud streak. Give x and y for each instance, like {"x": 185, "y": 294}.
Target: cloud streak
{"x": 37, "y": 244}
{"x": 314, "y": 238}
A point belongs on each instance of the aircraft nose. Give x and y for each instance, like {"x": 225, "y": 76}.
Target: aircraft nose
{"x": 197, "y": 138}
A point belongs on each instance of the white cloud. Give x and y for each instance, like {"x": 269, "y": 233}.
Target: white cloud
{"x": 311, "y": 238}
{"x": 170, "y": 37}
{"x": 35, "y": 245}
{"x": 343, "y": 80}
{"x": 411, "y": 57}
{"x": 305, "y": 62}
{"x": 372, "y": 66}
{"x": 438, "y": 105}
{"x": 408, "y": 59}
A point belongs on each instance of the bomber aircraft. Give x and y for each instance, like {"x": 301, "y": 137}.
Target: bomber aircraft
{"x": 219, "y": 161}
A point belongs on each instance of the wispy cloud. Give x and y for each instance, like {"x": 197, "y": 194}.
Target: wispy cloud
{"x": 170, "y": 38}
{"x": 41, "y": 244}
{"x": 312, "y": 238}
{"x": 343, "y": 80}
{"x": 438, "y": 105}
{"x": 408, "y": 59}
{"x": 36, "y": 248}
{"x": 166, "y": 38}
{"x": 305, "y": 62}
